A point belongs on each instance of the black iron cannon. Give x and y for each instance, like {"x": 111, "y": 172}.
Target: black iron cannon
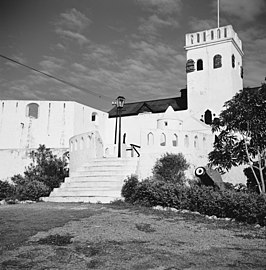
{"x": 209, "y": 177}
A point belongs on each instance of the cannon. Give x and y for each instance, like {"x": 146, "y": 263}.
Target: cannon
{"x": 209, "y": 177}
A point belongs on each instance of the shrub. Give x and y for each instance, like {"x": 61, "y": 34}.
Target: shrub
{"x": 129, "y": 188}
{"x": 6, "y": 190}
{"x": 47, "y": 168}
{"x": 32, "y": 190}
{"x": 171, "y": 167}
{"x": 252, "y": 184}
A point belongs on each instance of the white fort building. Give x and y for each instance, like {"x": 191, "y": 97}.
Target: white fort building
{"x": 148, "y": 128}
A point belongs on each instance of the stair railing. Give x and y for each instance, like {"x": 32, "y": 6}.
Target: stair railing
{"x": 133, "y": 148}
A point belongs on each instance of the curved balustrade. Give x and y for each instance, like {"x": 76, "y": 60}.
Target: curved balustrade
{"x": 84, "y": 147}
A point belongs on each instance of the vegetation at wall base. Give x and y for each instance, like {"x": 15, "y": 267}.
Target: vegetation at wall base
{"x": 235, "y": 202}
{"x": 45, "y": 173}
{"x": 248, "y": 207}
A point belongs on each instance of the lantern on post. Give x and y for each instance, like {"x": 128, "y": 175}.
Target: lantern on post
{"x": 119, "y": 103}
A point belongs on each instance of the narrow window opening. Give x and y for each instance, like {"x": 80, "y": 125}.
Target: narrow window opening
{"x": 212, "y": 35}
{"x": 163, "y": 140}
{"x": 190, "y": 66}
{"x": 200, "y": 64}
{"x": 175, "y": 140}
{"x": 198, "y": 38}
{"x": 204, "y": 36}
{"x": 33, "y": 110}
{"x": 219, "y": 33}
{"x": 233, "y": 61}
{"x": 217, "y": 61}
{"x": 225, "y": 32}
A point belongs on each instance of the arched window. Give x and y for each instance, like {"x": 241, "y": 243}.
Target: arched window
{"x": 76, "y": 145}
{"x": 33, "y": 110}
{"x": 150, "y": 139}
{"x": 88, "y": 141}
{"x": 204, "y": 143}
{"x": 200, "y": 64}
{"x": 190, "y": 66}
{"x": 163, "y": 140}
{"x": 204, "y": 36}
{"x": 225, "y": 32}
{"x": 198, "y": 38}
{"x": 218, "y": 33}
{"x": 233, "y": 61}
{"x": 212, "y": 35}
{"x": 71, "y": 146}
{"x": 208, "y": 117}
{"x": 186, "y": 141}
{"x": 196, "y": 142}
{"x": 94, "y": 117}
{"x": 175, "y": 140}
{"x": 191, "y": 39}
{"x": 217, "y": 61}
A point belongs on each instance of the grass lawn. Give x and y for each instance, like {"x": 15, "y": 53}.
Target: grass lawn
{"x": 94, "y": 236}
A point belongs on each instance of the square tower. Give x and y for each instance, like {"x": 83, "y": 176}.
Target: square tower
{"x": 214, "y": 69}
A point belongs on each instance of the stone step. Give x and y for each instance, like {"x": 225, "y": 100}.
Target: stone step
{"x": 84, "y": 199}
{"x": 85, "y": 192}
{"x": 92, "y": 184}
{"x": 117, "y": 173}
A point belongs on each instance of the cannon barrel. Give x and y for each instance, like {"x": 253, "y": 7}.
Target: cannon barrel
{"x": 209, "y": 177}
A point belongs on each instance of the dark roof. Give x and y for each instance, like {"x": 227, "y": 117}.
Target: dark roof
{"x": 153, "y": 106}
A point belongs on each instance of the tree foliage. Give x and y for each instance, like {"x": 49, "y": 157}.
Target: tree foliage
{"x": 241, "y": 138}
{"x": 45, "y": 172}
{"x": 171, "y": 168}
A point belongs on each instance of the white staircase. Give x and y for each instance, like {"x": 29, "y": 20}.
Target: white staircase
{"x": 100, "y": 180}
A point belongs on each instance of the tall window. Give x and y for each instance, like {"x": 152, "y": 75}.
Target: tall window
{"x": 200, "y": 64}
{"x": 233, "y": 61}
{"x": 198, "y": 38}
{"x": 196, "y": 142}
{"x": 150, "y": 139}
{"x": 218, "y": 33}
{"x": 225, "y": 32}
{"x": 217, "y": 61}
{"x": 94, "y": 117}
{"x": 186, "y": 141}
{"x": 208, "y": 117}
{"x": 33, "y": 110}
{"x": 175, "y": 140}
{"x": 204, "y": 36}
{"x": 163, "y": 140}
{"x": 190, "y": 66}
{"x": 212, "y": 35}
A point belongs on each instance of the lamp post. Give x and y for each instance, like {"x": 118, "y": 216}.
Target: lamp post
{"x": 119, "y": 103}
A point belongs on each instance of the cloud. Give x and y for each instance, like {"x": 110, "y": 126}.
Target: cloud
{"x": 245, "y": 10}
{"x": 196, "y": 24}
{"x": 153, "y": 24}
{"x": 81, "y": 39}
{"x": 51, "y": 64}
{"x": 162, "y": 6}
{"x": 74, "y": 20}
{"x": 72, "y": 24}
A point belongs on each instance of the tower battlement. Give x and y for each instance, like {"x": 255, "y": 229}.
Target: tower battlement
{"x": 213, "y": 35}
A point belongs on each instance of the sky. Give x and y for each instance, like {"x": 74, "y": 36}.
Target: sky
{"x": 133, "y": 48}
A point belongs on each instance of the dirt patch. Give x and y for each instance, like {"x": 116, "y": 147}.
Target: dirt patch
{"x": 139, "y": 238}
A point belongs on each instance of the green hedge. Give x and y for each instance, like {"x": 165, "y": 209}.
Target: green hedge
{"x": 243, "y": 207}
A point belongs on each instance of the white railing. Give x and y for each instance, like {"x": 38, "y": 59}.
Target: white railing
{"x": 84, "y": 147}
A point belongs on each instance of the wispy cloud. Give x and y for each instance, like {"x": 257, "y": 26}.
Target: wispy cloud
{"x": 162, "y": 6}
{"x": 244, "y": 10}
{"x": 72, "y": 24}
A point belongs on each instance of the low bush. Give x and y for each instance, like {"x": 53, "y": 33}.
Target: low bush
{"x": 32, "y": 190}
{"x": 7, "y": 190}
{"x": 235, "y": 204}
